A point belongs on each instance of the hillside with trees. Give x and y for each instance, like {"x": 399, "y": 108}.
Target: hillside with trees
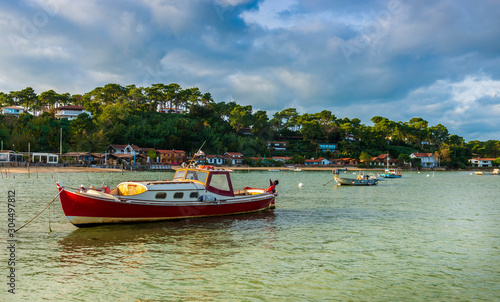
{"x": 130, "y": 115}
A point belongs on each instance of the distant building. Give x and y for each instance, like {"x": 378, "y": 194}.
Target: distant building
{"x": 282, "y": 159}
{"x": 277, "y": 145}
{"x": 124, "y": 149}
{"x": 236, "y": 158}
{"x": 216, "y": 160}
{"x": 171, "y": 156}
{"x": 383, "y": 160}
{"x": 427, "y": 160}
{"x": 47, "y": 158}
{"x": 172, "y": 110}
{"x": 481, "y": 162}
{"x": 9, "y": 156}
{"x": 320, "y": 161}
{"x": 327, "y": 147}
{"x": 13, "y": 110}
{"x": 70, "y": 112}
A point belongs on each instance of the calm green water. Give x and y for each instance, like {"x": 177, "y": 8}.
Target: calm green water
{"x": 417, "y": 238}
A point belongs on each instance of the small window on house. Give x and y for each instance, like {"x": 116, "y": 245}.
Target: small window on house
{"x": 193, "y": 195}
{"x": 161, "y": 195}
{"x": 178, "y": 195}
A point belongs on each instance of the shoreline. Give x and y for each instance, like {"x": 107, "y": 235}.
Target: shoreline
{"x": 45, "y": 169}
{"x": 34, "y": 170}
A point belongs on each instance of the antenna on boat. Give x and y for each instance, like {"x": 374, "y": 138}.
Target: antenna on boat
{"x": 198, "y": 153}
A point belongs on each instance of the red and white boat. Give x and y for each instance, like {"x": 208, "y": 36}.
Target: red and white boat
{"x": 193, "y": 192}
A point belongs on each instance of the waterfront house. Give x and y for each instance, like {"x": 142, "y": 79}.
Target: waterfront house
{"x": 427, "y": 160}
{"x": 282, "y": 159}
{"x": 123, "y": 149}
{"x": 345, "y": 161}
{"x": 174, "y": 157}
{"x": 78, "y": 157}
{"x": 9, "y": 156}
{"x": 70, "y": 112}
{"x": 236, "y": 158}
{"x": 382, "y": 160}
{"x": 320, "y": 161}
{"x": 13, "y": 110}
{"x": 46, "y": 158}
{"x": 481, "y": 162}
{"x": 215, "y": 160}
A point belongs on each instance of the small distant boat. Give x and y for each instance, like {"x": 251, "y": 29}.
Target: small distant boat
{"x": 496, "y": 171}
{"x": 361, "y": 180}
{"x": 479, "y": 173}
{"x": 392, "y": 173}
{"x": 295, "y": 169}
{"x": 377, "y": 177}
{"x": 274, "y": 170}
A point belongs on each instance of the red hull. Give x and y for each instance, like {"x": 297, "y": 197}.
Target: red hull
{"x": 85, "y": 210}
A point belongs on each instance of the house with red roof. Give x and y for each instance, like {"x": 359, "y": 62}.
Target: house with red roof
{"x": 123, "y": 149}
{"x": 320, "y": 161}
{"x": 171, "y": 156}
{"x": 427, "y": 160}
{"x": 382, "y": 160}
{"x": 236, "y": 158}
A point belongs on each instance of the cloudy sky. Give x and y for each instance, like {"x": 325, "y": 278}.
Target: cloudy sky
{"x": 435, "y": 59}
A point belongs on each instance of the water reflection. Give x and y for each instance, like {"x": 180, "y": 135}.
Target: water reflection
{"x": 188, "y": 237}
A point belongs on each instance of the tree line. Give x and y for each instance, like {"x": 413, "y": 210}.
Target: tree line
{"x": 130, "y": 115}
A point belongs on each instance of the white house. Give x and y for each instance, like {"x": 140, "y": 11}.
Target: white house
{"x": 124, "y": 149}
{"x": 70, "y": 112}
{"x": 235, "y": 157}
{"x": 216, "y": 160}
{"x": 48, "y": 158}
{"x": 320, "y": 161}
{"x": 426, "y": 159}
{"x": 10, "y": 156}
{"x": 481, "y": 162}
{"x": 13, "y": 110}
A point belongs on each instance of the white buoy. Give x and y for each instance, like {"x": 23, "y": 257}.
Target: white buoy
{"x": 301, "y": 185}
{"x": 427, "y": 175}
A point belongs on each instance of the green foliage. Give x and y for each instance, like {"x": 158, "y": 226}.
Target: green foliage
{"x": 129, "y": 115}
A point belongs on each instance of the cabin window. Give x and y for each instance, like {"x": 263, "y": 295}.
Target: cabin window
{"x": 161, "y": 195}
{"x": 193, "y": 195}
{"x": 220, "y": 182}
{"x": 178, "y": 195}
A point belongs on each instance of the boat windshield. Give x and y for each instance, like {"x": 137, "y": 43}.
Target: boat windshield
{"x": 200, "y": 176}
{"x": 197, "y": 175}
{"x": 179, "y": 174}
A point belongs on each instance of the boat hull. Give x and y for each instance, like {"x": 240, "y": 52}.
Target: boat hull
{"x": 390, "y": 176}
{"x": 355, "y": 182}
{"x": 83, "y": 209}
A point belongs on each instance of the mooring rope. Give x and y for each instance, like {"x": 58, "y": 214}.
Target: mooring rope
{"x": 40, "y": 212}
